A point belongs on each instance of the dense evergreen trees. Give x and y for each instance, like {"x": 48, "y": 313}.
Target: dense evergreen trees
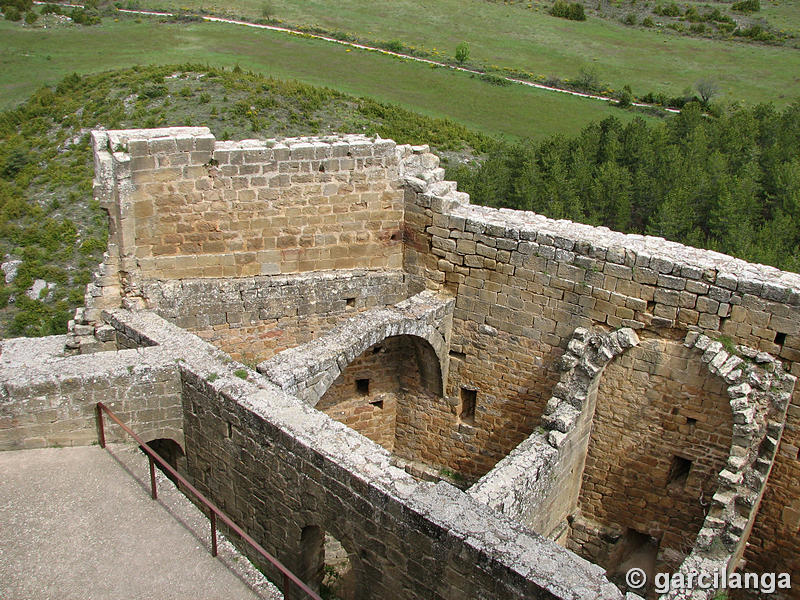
{"x": 730, "y": 183}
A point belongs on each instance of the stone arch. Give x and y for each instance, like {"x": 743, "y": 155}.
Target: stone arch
{"x": 309, "y": 370}
{"x": 171, "y": 451}
{"x": 757, "y": 413}
{"x": 661, "y": 434}
{"x": 381, "y": 391}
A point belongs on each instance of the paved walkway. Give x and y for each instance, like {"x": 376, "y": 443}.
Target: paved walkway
{"x": 76, "y": 525}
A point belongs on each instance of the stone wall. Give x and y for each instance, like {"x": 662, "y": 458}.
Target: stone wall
{"x": 186, "y": 206}
{"x": 48, "y": 399}
{"x": 254, "y": 318}
{"x": 539, "y": 482}
{"x": 404, "y": 538}
{"x": 657, "y": 407}
{"x": 523, "y": 283}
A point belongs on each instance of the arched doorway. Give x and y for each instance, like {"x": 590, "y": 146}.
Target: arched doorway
{"x": 661, "y": 433}
{"x": 171, "y": 452}
{"x": 392, "y": 394}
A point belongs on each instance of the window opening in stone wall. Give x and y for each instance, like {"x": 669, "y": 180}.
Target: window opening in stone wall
{"x": 377, "y": 403}
{"x": 325, "y": 565}
{"x": 230, "y": 429}
{"x": 679, "y": 471}
{"x": 351, "y": 302}
{"x": 780, "y": 338}
{"x": 468, "y": 399}
{"x": 362, "y": 386}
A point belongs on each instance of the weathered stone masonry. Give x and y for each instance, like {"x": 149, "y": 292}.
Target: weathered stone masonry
{"x": 542, "y": 339}
{"x": 523, "y": 283}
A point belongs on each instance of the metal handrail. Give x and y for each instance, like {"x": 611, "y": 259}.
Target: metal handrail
{"x": 214, "y": 512}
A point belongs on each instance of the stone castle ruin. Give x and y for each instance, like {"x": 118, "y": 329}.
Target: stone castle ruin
{"x": 342, "y": 352}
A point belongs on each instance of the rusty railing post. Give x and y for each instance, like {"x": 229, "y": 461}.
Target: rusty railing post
{"x": 100, "y": 425}
{"x": 154, "y": 491}
{"x": 213, "y": 533}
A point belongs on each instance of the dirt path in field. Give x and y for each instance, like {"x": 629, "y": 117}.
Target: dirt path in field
{"x": 390, "y": 53}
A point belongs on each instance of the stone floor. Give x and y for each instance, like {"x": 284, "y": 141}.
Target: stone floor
{"x": 77, "y": 525}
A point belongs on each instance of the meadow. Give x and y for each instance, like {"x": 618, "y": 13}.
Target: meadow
{"x": 501, "y": 35}
{"x": 33, "y": 57}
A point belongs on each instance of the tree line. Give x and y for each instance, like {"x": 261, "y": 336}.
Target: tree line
{"x": 729, "y": 183}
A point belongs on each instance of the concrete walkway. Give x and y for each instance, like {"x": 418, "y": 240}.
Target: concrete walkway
{"x": 76, "y": 525}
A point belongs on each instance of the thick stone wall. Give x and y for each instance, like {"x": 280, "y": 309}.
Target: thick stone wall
{"x": 523, "y": 283}
{"x": 539, "y": 482}
{"x": 188, "y": 206}
{"x": 254, "y": 318}
{"x": 656, "y": 404}
{"x": 404, "y": 538}
{"x": 48, "y": 399}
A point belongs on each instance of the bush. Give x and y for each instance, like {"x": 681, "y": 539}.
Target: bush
{"x": 31, "y": 17}
{"x": 692, "y": 15}
{"x": 587, "y": 79}
{"x": 747, "y": 6}
{"x": 52, "y": 8}
{"x": 84, "y": 17}
{"x": 12, "y": 13}
{"x": 648, "y": 22}
{"x": 494, "y": 79}
{"x": 756, "y": 32}
{"x": 573, "y": 12}
{"x": 630, "y": 19}
{"x": 22, "y": 6}
{"x": 698, "y": 28}
{"x": 462, "y": 53}
{"x": 625, "y": 97}
{"x": 671, "y": 10}
{"x": 394, "y": 46}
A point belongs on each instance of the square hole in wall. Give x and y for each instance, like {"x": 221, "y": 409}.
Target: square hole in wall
{"x": 377, "y": 404}
{"x": 679, "y": 471}
{"x": 468, "y": 399}
{"x": 780, "y": 338}
{"x": 351, "y": 302}
{"x": 362, "y": 386}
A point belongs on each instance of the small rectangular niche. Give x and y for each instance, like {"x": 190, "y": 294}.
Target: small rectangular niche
{"x": 362, "y": 386}
{"x": 468, "y": 399}
{"x": 351, "y": 302}
{"x": 679, "y": 471}
{"x": 377, "y": 404}
{"x": 780, "y": 338}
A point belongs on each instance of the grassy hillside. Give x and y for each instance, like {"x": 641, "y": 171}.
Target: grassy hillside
{"x": 506, "y": 35}
{"x": 32, "y": 57}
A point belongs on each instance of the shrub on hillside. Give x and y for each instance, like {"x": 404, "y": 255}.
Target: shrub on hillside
{"x": 11, "y": 13}
{"x": 22, "y": 6}
{"x": 747, "y": 6}
{"x": 82, "y": 16}
{"x": 671, "y": 10}
{"x": 573, "y": 12}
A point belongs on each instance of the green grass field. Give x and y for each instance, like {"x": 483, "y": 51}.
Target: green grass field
{"x": 508, "y": 36}
{"x": 33, "y": 57}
